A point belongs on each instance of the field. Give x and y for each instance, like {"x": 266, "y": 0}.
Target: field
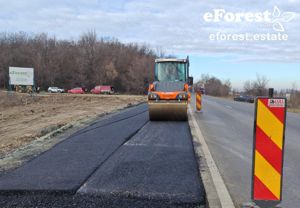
{"x": 25, "y": 118}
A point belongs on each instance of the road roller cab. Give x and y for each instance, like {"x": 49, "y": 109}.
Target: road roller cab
{"x": 168, "y": 95}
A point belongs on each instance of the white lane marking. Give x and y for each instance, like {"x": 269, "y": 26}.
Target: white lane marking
{"x": 227, "y": 106}
{"x": 222, "y": 191}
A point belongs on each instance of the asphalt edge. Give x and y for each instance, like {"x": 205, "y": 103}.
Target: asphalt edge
{"x": 213, "y": 198}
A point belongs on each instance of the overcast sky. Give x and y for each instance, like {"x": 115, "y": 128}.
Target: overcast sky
{"x": 177, "y": 27}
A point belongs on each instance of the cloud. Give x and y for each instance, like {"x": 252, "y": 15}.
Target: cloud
{"x": 175, "y": 25}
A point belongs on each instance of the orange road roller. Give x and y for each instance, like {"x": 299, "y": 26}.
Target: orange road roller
{"x": 168, "y": 95}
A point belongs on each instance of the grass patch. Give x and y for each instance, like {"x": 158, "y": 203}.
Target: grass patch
{"x": 294, "y": 110}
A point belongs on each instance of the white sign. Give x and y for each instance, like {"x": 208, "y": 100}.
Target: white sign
{"x": 21, "y": 76}
{"x": 277, "y": 103}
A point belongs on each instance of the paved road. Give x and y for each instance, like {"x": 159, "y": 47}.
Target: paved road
{"x": 123, "y": 160}
{"x": 228, "y": 129}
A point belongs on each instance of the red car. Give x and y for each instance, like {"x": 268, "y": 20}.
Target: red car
{"x": 77, "y": 90}
{"x": 103, "y": 90}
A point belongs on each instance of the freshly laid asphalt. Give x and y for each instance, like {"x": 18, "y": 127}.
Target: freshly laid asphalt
{"x": 123, "y": 160}
{"x": 155, "y": 163}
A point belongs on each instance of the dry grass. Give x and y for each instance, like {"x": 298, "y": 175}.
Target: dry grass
{"x": 294, "y": 110}
{"x": 12, "y": 99}
{"x": 294, "y": 102}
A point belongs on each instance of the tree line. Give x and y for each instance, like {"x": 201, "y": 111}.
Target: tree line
{"x": 85, "y": 62}
{"x": 214, "y": 86}
{"x": 258, "y": 87}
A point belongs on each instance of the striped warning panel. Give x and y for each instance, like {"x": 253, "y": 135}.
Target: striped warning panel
{"x": 198, "y": 101}
{"x": 268, "y": 149}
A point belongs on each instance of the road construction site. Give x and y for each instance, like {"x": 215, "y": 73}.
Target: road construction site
{"x": 125, "y": 160}
{"x": 179, "y": 150}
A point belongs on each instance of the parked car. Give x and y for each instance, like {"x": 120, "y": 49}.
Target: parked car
{"x": 77, "y": 90}
{"x": 244, "y": 98}
{"x": 103, "y": 90}
{"x": 55, "y": 90}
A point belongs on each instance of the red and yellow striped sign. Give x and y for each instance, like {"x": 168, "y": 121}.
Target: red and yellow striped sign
{"x": 198, "y": 101}
{"x": 268, "y": 149}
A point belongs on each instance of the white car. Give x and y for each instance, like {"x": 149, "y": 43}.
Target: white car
{"x": 55, "y": 90}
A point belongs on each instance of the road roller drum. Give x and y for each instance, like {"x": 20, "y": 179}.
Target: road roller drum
{"x": 168, "y": 111}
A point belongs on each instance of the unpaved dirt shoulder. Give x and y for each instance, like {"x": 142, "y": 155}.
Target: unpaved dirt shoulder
{"x": 25, "y": 120}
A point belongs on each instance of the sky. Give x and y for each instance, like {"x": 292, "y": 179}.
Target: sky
{"x": 176, "y": 27}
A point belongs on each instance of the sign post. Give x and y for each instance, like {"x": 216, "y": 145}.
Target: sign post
{"x": 268, "y": 149}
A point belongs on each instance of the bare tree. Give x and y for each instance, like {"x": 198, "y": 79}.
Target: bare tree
{"x": 110, "y": 73}
{"x": 294, "y": 101}
{"x": 249, "y": 88}
{"x": 226, "y": 88}
{"x": 260, "y": 85}
{"x": 257, "y": 87}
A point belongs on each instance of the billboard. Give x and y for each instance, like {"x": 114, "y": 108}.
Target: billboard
{"x": 21, "y": 76}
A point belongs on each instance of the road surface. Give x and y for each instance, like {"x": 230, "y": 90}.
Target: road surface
{"x": 123, "y": 160}
{"x": 228, "y": 130}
